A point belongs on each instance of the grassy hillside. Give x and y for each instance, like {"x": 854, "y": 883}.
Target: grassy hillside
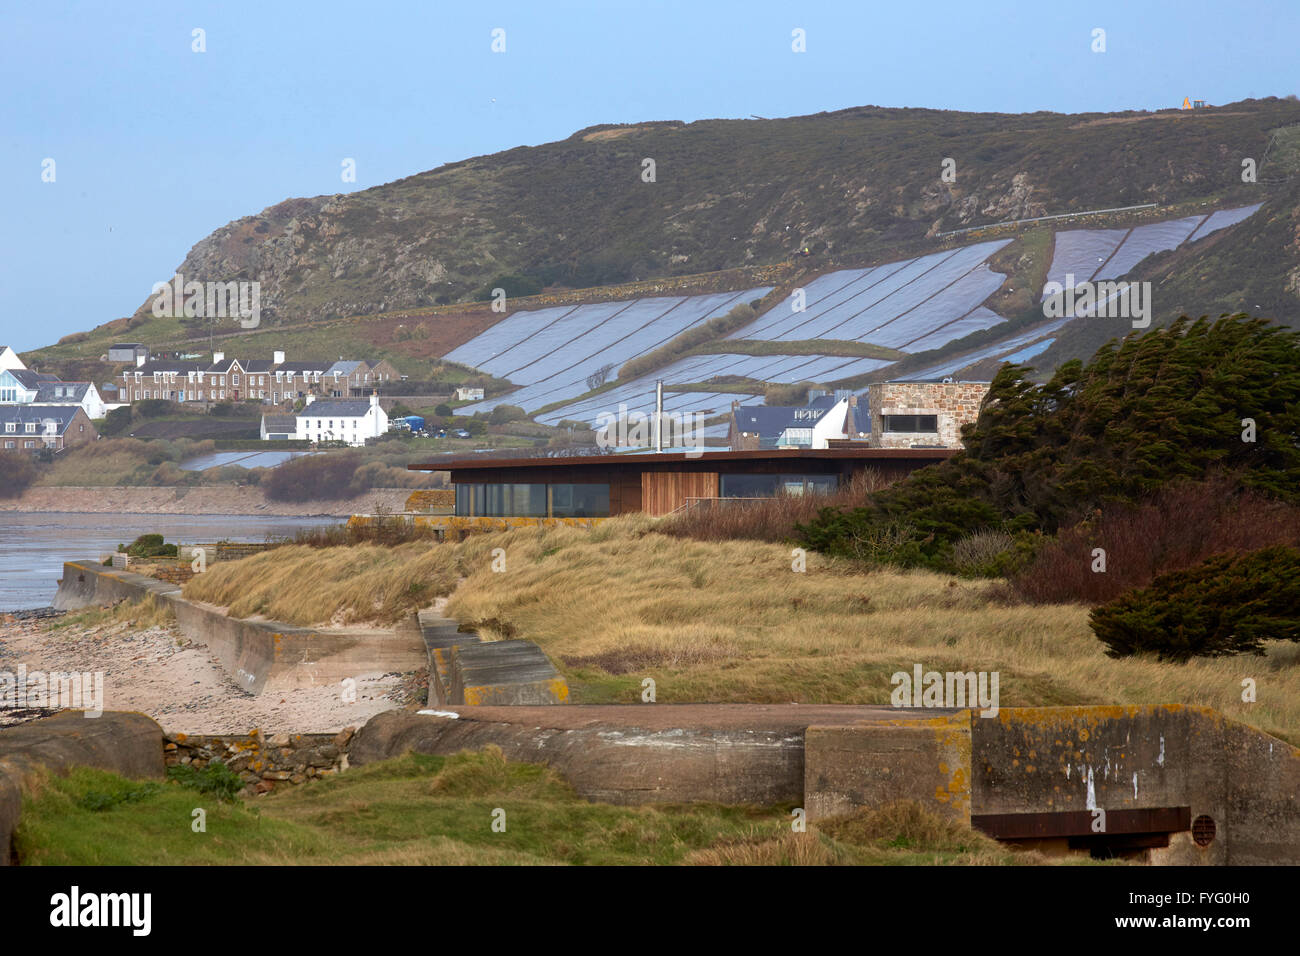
{"x": 398, "y": 271}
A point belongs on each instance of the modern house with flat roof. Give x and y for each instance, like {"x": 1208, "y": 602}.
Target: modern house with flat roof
{"x": 597, "y": 486}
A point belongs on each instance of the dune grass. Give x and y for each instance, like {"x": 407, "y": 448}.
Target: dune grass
{"x": 145, "y": 612}
{"x": 422, "y": 810}
{"x": 297, "y": 584}
{"x": 732, "y": 622}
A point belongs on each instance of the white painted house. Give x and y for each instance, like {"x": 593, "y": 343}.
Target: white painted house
{"x": 84, "y": 394}
{"x": 351, "y": 420}
{"x": 9, "y": 359}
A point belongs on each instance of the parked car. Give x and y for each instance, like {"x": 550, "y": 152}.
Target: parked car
{"x": 461, "y": 433}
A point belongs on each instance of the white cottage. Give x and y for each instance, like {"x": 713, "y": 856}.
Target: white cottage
{"x": 349, "y": 420}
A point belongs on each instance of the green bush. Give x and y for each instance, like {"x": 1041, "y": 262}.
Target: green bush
{"x": 216, "y": 779}
{"x": 443, "y": 410}
{"x": 502, "y": 414}
{"x": 149, "y": 546}
{"x": 116, "y": 421}
{"x": 1228, "y": 604}
{"x": 155, "y": 408}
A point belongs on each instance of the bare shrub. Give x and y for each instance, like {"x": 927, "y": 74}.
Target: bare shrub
{"x": 1177, "y": 527}
{"x": 17, "y": 471}
{"x": 766, "y": 519}
{"x": 977, "y": 552}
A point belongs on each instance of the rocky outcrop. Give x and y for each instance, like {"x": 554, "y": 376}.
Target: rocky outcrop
{"x": 127, "y": 744}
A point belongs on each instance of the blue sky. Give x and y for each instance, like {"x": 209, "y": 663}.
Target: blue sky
{"x": 156, "y": 145}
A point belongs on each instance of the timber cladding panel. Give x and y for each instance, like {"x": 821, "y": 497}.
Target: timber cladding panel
{"x": 663, "y": 492}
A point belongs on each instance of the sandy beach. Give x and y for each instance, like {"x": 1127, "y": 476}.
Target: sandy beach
{"x": 159, "y": 672}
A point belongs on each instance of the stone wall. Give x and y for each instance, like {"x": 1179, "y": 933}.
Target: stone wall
{"x": 263, "y": 764}
{"x": 953, "y": 403}
{"x": 432, "y": 499}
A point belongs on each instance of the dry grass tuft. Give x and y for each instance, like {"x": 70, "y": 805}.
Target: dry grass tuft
{"x": 792, "y": 849}
{"x": 907, "y": 824}
{"x": 731, "y": 622}
{"x": 302, "y": 585}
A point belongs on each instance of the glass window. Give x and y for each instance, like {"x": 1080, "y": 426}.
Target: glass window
{"x": 748, "y": 486}
{"x": 579, "y": 501}
{"x": 532, "y": 500}
{"x": 767, "y": 486}
{"x": 912, "y": 423}
{"x": 515, "y": 500}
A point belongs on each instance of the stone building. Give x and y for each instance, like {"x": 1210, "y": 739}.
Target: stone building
{"x": 922, "y": 414}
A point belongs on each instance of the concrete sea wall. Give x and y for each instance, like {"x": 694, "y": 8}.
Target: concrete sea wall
{"x": 258, "y": 655}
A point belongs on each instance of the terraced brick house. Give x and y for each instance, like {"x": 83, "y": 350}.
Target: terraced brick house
{"x": 175, "y": 380}
{"x": 273, "y": 381}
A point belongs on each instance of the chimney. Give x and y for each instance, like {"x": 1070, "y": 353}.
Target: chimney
{"x": 140, "y": 360}
{"x": 311, "y": 397}
{"x": 217, "y": 357}
{"x": 374, "y": 399}
{"x": 277, "y": 357}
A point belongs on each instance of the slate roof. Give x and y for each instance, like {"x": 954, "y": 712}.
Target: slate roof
{"x": 258, "y": 365}
{"x": 29, "y": 379}
{"x": 770, "y": 420}
{"x": 337, "y": 408}
{"x": 62, "y": 415}
{"x": 280, "y": 423}
{"x": 222, "y": 367}
{"x": 55, "y": 392}
{"x": 312, "y": 366}
{"x": 342, "y": 367}
{"x": 164, "y": 365}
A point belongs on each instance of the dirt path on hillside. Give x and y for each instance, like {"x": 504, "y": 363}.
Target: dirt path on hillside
{"x": 182, "y": 686}
{"x": 200, "y": 500}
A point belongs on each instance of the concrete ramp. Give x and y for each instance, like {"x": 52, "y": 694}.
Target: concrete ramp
{"x": 464, "y": 669}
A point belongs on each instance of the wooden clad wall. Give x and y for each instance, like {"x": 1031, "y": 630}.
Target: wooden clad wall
{"x": 624, "y": 493}
{"x": 665, "y": 491}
